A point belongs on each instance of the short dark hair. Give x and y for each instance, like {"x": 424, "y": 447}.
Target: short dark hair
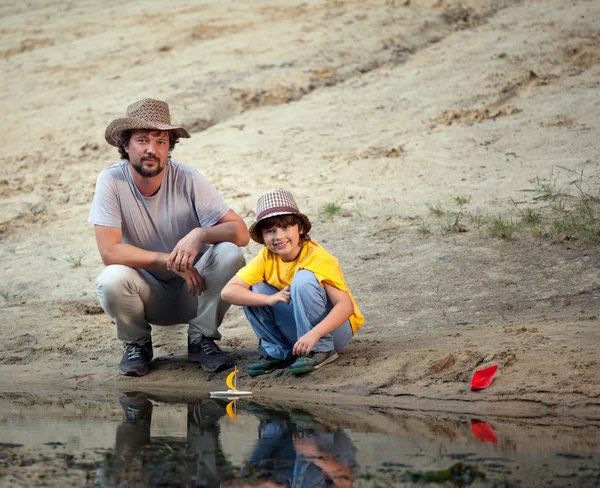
{"x": 124, "y": 137}
{"x": 282, "y": 221}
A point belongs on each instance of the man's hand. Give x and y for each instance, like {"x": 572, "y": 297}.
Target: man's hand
{"x": 185, "y": 251}
{"x": 305, "y": 344}
{"x": 283, "y": 296}
{"x": 194, "y": 281}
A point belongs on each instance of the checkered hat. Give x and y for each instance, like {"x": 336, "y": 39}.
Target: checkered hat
{"x": 273, "y": 203}
{"x": 145, "y": 114}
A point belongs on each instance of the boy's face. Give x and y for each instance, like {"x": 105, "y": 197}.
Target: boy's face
{"x": 283, "y": 240}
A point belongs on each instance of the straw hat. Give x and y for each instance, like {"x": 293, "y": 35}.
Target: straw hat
{"x": 273, "y": 203}
{"x": 145, "y": 114}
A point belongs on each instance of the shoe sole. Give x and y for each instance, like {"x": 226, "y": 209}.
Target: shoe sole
{"x": 258, "y": 372}
{"x": 308, "y": 369}
{"x": 216, "y": 369}
{"x": 133, "y": 372}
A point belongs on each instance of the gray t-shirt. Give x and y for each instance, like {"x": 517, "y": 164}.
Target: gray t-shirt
{"x": 185, "y": 200}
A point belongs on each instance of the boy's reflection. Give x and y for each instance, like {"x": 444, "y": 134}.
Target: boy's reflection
{"x": 293, "y": 450}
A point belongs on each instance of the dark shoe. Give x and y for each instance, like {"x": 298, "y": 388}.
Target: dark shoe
{"x": 135, "y": 359}
{"x": 266, "y": 365}
{"x": 208, "y": 354}
{"x": 136, "y": 407}
{"x": 204, "y": 415}
{"x": 314, "y": 360}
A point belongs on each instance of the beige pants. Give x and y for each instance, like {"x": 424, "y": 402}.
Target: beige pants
{"x": 134, "y": 299}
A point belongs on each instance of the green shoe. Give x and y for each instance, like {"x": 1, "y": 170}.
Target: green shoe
{"x": 267, "y": 365}
{"x": 314, "y": 360}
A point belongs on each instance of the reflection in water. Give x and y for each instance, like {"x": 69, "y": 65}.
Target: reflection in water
{"x": 147, "y": 442}
{"x": 293, "y": 449}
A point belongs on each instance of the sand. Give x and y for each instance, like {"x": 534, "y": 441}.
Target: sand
{"x": 383, "y": 108}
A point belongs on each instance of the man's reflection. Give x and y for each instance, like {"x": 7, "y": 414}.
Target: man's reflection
{"x": 139, "y": 461}
{"x": 209, "y": 466}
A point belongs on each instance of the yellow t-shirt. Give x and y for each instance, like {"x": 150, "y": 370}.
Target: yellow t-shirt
{"x": 268, "y": 267}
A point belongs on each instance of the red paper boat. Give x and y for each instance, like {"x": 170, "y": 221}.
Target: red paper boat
{"x": 483, "y": 431}
{"x": 483, "y": 378}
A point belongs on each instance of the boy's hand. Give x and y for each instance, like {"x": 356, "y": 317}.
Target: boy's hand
{"x": 195, "y": 282}
{"x": 283, "y": 296}
{"x": 305, "y": 344}
{"x": 306, "y": 446}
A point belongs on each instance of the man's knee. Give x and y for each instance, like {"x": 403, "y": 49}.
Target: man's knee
{"x": 113, "y": 279}
{"x": 228, "y": 257}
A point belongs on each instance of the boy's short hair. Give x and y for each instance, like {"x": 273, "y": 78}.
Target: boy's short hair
{"x": 282, "y": 221}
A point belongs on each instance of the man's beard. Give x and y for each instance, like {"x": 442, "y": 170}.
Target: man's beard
{"x": 139, "y": 167}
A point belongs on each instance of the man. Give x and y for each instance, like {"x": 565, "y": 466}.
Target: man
{"x": 168, "y": 239}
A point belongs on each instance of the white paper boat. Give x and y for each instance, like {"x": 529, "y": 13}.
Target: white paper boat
{"x": 230, "y": 393}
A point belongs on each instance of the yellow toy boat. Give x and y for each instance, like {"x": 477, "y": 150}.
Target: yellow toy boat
{"x": 233, "y": 392}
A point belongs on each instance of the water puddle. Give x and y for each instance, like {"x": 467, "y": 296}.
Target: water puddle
{"x": 135, "y": 439}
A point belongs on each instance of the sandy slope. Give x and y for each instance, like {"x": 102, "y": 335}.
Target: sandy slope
{"x": 377, "y": 106}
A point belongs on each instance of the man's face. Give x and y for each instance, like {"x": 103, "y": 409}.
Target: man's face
{"x": 148, "y": 151}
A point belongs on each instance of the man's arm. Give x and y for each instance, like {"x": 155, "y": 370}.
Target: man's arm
{"x": 231, "y": 228}
{"x": 114, "y": 251}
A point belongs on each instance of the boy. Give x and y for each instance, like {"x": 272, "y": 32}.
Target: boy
{"x": 293, "y": 292}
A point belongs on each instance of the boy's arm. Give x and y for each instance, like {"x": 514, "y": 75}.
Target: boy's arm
{"x": 342, "y": 310}
{"x": 238, "y": 292}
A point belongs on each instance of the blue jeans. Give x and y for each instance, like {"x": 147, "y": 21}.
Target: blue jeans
{"x": 279, "y": 327}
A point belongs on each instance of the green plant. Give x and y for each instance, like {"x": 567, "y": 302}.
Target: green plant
{"x": 437, "y": 296}
{"x": 330, "y": 210}
{"x": 530, "y": 216}
{"x": 452, "y": 225}
{"x": 460, "y": 200}
{"x": 4, "y": 294}
{"x": 435, "y": 208}
{"x": 359, "y": 209}
{"x": 424, "y": 228}
{"x": 75, "y": 261}
{"x": 547, "y": 189}
{"x": 478, "y": 219}
{"x": 502, "y": 227}
{"x": 436, "y": 293}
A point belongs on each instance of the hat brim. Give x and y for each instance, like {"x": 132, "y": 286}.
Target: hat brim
{"x": 256, "y": 235}
{"x": 117, "y": 126}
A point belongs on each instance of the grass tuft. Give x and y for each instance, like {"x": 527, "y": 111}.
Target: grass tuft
{"x": 435, "y": 208}
{"x": 75, "y": 262}
{"x": 501, "y": 227}
{"x": 330, "y": 210}
{"x": 424, "y": 228}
